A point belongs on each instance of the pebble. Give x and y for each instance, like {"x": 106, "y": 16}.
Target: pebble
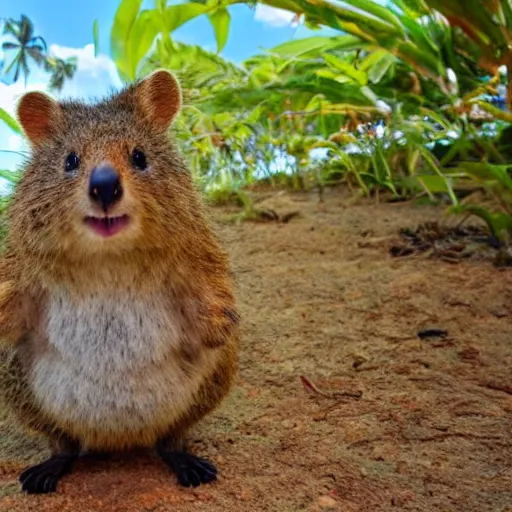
{"x": 288, "y": 423}
{"x": 432, "y": 332}
{"x": 245, "y": 494}
{"x": 499, "y": 312}
{"x": 327, "y": 503}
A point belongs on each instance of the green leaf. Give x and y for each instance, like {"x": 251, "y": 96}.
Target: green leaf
{"x": 10, "y": 176}
{"x": 379, "y": 11}
{"x": 497, "y": 222}
{"x": 287, "y": 5}
{"x": 7, "y": 45}
{"x": 220, "y": 20}
{"x": 435, "y": 116}
{"x": 485, "y": 172}
{"x": 368, "y": 93}
{"x": 433, "y": 183}
{"x": 334, "y": 75}
{"x": 312, "y": 45}
{"x": 506, "y": 8}
{"x": 412, "y": 8}
{"x": 10, "y": 121}
{"x": 178, "y": 15}
{"x": 475, "y": 17}
{"x": 423, "y": 61}
{"x": 421, "y": 36}
{"x": 253, "y": 116}
{"x": 96, "y": 37}
{"x": 142, "y": 35}
{"x": 377, "y": 64}
{"x": 375, "y": 25}
{"x": 124, "y": 20}
{"x": 347, "y": 69}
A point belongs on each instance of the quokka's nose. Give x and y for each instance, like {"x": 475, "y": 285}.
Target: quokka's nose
{"x": 105, "y": 186}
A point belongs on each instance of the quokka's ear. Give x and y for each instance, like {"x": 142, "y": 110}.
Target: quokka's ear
{"x": 40, "y": 116}
{"x": 159, "y": 97}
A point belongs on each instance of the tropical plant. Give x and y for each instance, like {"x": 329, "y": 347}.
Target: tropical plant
{"x": 496, "y": 209}
{"x": 10, "y": 121}
{"x": 25, "y": 44}
{"x": 28, "y": 47}
{"x": 60, "y": 70}
{"x": 306, "y": 94}
{"x": 404, "y": 31}
{"x": 488, "y": 27}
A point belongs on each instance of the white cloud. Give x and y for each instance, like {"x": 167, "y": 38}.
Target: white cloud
{"x": 95, "y": 76}
{"x": 14, "y": 143}
{"x": 273, "y": 16}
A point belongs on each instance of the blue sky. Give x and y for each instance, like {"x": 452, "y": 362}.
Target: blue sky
{"x": 68, "y": 32}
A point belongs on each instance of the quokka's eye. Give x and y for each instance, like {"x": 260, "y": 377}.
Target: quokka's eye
{"x": 72, "y": 162}
{"x": 139, "y": 159}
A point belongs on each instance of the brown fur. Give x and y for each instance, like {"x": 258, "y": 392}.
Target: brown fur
{"x": 168, "y": 252}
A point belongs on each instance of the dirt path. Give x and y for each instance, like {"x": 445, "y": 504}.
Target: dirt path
{"x": 321, "y": 298}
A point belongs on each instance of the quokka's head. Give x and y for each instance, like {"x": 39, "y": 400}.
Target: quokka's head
{"x": 103, "y": 177}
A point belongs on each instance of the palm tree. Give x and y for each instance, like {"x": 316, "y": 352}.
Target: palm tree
{"x": 59, "y": 70}
{"x": 26, "y": 45}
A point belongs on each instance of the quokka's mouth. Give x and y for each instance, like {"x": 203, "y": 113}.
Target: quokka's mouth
{"x": 107, "y": 226}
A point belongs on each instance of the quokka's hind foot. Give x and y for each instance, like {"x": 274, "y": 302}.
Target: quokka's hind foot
{"x": 190, "y": 470}
{"x": 44, "y": 477}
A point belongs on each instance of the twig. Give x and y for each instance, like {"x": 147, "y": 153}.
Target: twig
{"x": 311, "y": 387}
{"x": 448, "y": 435}
{"x": 497, "y": 387}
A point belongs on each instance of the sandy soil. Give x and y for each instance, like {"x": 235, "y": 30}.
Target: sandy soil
{"x": 321, "y": 298}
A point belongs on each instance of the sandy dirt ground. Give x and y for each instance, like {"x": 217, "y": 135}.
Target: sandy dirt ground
{"x": 397, "y": 422}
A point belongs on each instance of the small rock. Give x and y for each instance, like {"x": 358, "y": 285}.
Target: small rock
{"x": 469, "y": 354}
{"x": 499, "y": 312}
{"x": 288, "y": 423}
{"x": 201, "y": 496}
{"x": 253, "y": 393}
{"x": 432, "y": 332}
{"x": 319, "y": 416}
{"x": 358, "y": 361}
{"x": 245, "y": 494}
{"x": 327, "y": 503}
{"x": 384, "y": 452}
{"x": 274, "y": 356}
{"x": 401, "y": 499}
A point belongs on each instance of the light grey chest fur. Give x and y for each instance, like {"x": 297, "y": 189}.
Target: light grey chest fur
{"x": 112, "y": 363}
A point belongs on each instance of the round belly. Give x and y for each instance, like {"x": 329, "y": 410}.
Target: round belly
{"x": 107, "y": 409}
{"x": 111, "y": 372}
